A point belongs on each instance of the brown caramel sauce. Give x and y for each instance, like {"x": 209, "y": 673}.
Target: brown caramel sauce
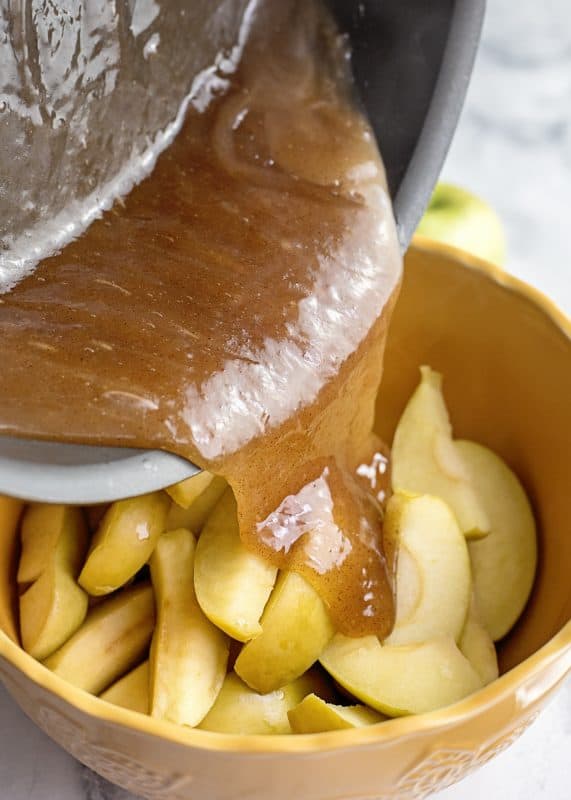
{"x": 233, "y": 309}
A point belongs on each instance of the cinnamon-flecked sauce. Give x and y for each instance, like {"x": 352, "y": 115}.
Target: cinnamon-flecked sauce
{"x": 234, "y": 308}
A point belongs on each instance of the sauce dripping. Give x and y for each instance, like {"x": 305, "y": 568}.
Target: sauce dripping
{"x": 233, "y": 309}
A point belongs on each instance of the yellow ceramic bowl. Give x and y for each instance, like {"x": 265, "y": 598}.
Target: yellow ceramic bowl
{"x": 505, "y": 352}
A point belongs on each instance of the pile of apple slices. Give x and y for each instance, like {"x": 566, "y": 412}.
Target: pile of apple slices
{"x": 163, "y": 611}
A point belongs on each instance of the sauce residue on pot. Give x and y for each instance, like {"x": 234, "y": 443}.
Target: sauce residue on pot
{"x": 234, "y": 309}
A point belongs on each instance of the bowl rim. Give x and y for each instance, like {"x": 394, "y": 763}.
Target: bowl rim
{"x": 556, "y": 651}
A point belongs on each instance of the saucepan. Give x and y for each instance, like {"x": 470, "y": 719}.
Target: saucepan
{"x": 411, "y": 60}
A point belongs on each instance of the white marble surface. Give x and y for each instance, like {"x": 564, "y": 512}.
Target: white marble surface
{"x": 514, "y": 148}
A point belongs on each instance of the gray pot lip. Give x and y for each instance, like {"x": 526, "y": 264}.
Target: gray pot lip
{"x": 415, "y": 189}
{"x": 78, "y": 474}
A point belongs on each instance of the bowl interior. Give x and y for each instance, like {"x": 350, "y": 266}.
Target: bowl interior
{"x": 506, "y": 359}
{"x": 505, "y": 354}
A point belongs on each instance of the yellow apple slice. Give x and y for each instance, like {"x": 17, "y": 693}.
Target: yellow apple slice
{"x": 188, "y": 653}
{"x": 114, "y": 637}
{"x": 503, "y": 564}
{"x": 425, "y": 460}
{"x": 295, "y": 628}
{"x": 433, "y": 569}
{"x": 194, "y": 517}
{"x": 314, "y": 715}
{"x": 401, "y": 679}
{"x": 232, "y": 584}
{"x": 239, "y": 709}
{"x": 10, "y": 512}
{"x": 124, "y": 542}
{"x": 186, "y": 492}
{"x": 478, "y": 646}
{"x": 54, "y": 606}
{"x": 132, "y": 691}
{"x": 41, "y": 530}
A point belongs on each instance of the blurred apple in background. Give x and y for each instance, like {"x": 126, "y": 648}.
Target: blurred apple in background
{"x": 461, "y": 219}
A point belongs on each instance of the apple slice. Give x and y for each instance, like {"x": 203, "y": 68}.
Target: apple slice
{"x": 239, "y": 709}
{"x": 114, "y": 637}
{"x": 94, "y": 515}
{"x": 132, "y": 691}
{"x": 425, "y": 460}
{"x": 188, "y": 653}
{"x": 295, "y": 628}
{"x": 10, "y": 513}
{"x": 503, "y": 564}
{"x": 401, "y": 679}
{"x": 194, "y": 517}
{"x": 314, "y": 715}
{"x": 478, "y": 646}
{"x": 124, "y": 542}
{"x": 232, "y": 584}
{"x": 186, "y": 492}
{"x": 433, "y": 569}
{"x": 54, "y": 606}
{"x": 41, "y": 530}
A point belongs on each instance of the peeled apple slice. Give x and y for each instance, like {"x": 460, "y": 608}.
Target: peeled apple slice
{"x": 124, "y": 542}
{"x": 188, "y": 653}
{"x": 10, "y": 512}
{"x": 425, "y": 460}
{"x": 433, "y": 581}
{"x": 194, "y": 517}
{"x": 239, "y": 709}
{"x": 54, "y": 606}
{"x": 295, "y": 629}
{"x": 478, "y": 646}
{"x": 41, "y": 530}
{"x": 503, "y": 564}
{"x": 186, "y": 492}
{"x": 401, "y": 679}
{"x": 314, "y": 715}
{"x": 232, "y": 584}
{"x": 132, "y": 691}
{"x": 114, "y": 637}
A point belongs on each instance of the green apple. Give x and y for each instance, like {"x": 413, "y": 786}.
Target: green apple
{"x": 433, "y": 583}
{"x": 425, "y": 459}
{"x": 188, "y": 653}
{"x": 478, "y": 646}
{"x": 401, "y": 679}
{"x": 132, "y": 691}
{"x": 314, "y": 715}
{"x": 124, "y": 542}
{"x": 461, "y": 219}
{"x": 112, "y": 640}
{"x": 503, "y": 564}
{"x": 239, "y": 709}
{"x": 232, "y": 584}
{"x": 295, "y": 628}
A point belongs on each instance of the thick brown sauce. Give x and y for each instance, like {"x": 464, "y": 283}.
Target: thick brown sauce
{"x": 234, "y": 309}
